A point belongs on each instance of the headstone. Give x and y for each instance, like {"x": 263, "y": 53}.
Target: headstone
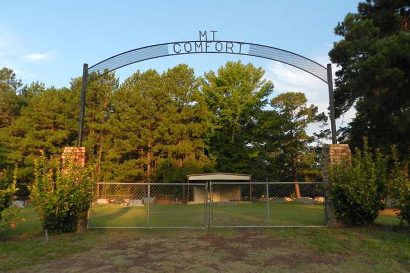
{"x": 319, "y": 200}
{"x": 135, "y": 203}
{"x": 18, "y": 203}
{"x": 304, "y": 200}
{"x": 102, "y": 201}
{"x": 147, "y": 200}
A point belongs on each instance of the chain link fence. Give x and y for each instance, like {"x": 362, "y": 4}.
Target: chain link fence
{"x": 207, "y": 205}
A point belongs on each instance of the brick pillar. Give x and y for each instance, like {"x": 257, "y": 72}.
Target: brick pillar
{"x": 332, "y": 153}
{"x": 75, "y": 155}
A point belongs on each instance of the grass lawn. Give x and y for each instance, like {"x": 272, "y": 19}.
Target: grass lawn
{"x": 223, "y": 214}
{"x": 373, "y": 249}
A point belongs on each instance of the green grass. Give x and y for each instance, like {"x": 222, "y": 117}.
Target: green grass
{"x": 257, "y": 214}
{"x": 382, "y": 248}
{"x": 28, "y": 225}
{"x": 223, "y": 214}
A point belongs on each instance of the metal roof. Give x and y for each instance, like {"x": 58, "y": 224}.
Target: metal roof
{"x": 219, "y": 177}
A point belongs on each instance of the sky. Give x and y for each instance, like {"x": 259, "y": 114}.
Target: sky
{"x": 48, "y": 41}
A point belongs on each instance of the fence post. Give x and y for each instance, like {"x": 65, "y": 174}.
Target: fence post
{"x": 267, "y": 204}
{"x": 98, "y": 190}
{"x": 149, "y": 201}
{"x": 210, "y": 204}
{"x": 206, "y": 206}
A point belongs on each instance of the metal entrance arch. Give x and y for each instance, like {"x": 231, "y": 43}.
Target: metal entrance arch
{"x": 209, "y": 46}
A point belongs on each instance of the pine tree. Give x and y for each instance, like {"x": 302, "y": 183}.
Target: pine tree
{"x": 296, "y": 115}
{"x": 374, "y": 60}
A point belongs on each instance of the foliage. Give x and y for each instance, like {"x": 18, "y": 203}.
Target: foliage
{"x": 374, "y": 60}
{"x": 7, "y": 191}
{"x": 399, "y": 186}
{"x": 61, "y": 196}
{"x": 160, "y": 126}
{"x": 169, "y": 170}
{"x": 156, "y": 118}
{"x": 296, "y": 115}
{"x": 47, "y": 123}
{"x": 235, "y": 96}
{"x": 10, "y": 103}
{"x": 358, "y": 187}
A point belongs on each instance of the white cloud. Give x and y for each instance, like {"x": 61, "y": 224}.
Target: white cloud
{"x": 287, "y": 79}
{"x": 39, "y": 57}
{"x": 14, "y": 54}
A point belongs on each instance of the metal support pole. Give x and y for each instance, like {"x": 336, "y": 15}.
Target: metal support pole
{"x": 82, "y": 104}
{"x": 149, "y": 201}
{"x": 331, "y": 103}
{"x": 267, "y": 204}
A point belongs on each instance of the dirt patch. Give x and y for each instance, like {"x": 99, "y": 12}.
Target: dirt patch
{"x": 297, "y": 259}
{"x": 258, "y": 248}
{"x": 242, "y": 250}
{"x": 238, "y": 247}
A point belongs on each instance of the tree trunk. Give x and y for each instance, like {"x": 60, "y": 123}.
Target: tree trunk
{"x": 99, "y": 159}
{"x": 149, "y": 159}
{"x": 295, "y": 178}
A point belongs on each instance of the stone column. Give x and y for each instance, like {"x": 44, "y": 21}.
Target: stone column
{"x": 332, "y": 153}
{"x": 76, "y": 156}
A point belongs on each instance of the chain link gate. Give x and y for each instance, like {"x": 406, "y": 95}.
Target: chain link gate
{"x": 207, "y": 205}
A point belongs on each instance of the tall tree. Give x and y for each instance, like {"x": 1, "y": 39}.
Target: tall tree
{"x": 100, "y": 90}
{"x": 140, "y": 125}
{"x": 296, "y": 116}
{"x": 374, "y": 60}
{"x": 235, "y": 95}
{"x": 187, "y": 124}
{"x": 48, "y": 123}
{"x": 10, "y": 102}
{"x": 158, "y": 126}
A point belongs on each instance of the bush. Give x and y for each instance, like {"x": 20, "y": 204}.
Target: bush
{"x": 7, "y": 191}
{"x": 358, "y": 187}
{"x": 61, "y": 197}
{"x": 399, "y": 186}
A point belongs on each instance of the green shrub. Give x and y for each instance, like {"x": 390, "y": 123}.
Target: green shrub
{"x": 7, "y": 191}
{"x": 399, "y": 186}
{"x": 61, "y": 196}
{"x": 358, "y": 187}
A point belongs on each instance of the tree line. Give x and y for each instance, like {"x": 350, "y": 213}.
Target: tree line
{"x": 159, "y": 127}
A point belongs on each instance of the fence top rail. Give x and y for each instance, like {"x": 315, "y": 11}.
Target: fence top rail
{"x": 264, "y": 183}
{"x": 150, "y": 184}
{"x": 213, "y": 182}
